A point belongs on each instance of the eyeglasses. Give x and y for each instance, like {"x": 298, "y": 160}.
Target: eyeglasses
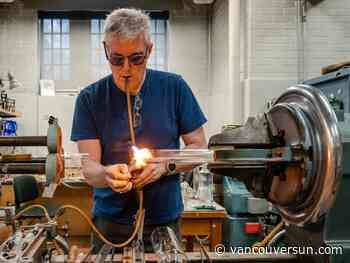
{"x": 118, "y": 60}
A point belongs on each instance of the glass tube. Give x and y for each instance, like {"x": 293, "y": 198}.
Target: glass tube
{"x": 167, "y": 246}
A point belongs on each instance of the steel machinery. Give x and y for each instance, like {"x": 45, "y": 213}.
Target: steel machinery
{"x": 294, "y": 155}
{"x": 52, "y": 166}
{"x": 36, "y": 242}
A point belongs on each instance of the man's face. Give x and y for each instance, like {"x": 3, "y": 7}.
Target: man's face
{"x": 128, "y": 59}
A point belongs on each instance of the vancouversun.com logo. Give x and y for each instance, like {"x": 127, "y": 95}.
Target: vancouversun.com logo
{"x": 220, "y": 250}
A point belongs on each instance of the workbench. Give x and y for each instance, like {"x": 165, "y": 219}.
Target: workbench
{"x": 193, "y": 222}
{"x": 203, "y": 223}
{"x": 195, "y": 257}
{"x": 80, "y": 197}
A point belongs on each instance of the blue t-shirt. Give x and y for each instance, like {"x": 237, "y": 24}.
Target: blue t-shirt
{"x": 168, "y": 111}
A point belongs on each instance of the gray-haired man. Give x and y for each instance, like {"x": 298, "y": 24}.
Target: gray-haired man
{"x": 166, "y": 110}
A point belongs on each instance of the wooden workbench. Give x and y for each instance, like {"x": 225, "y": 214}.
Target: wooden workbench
{"x": 207, "y": 223}
{"x": 81, "y": 197}
{"x": 193, "y": 222}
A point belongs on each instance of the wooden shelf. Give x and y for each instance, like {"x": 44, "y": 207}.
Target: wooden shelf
{"x": 9, "y": 114}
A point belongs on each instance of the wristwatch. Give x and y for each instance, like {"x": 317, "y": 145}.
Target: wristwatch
{"x": 171, "y": 167}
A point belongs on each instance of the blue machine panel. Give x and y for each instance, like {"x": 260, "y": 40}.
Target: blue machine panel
{"x": 234, "y": 235}
{"x": 239, "y": 201}
{"x": 336, "y": 86}
{"x": 235, "y": 196}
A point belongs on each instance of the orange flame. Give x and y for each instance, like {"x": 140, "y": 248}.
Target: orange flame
{"x": 141, "y": 156}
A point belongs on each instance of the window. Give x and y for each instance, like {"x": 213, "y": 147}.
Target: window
{"x": 158, "y": 35}
{"x": 71, "y": 49}
{"x": 55, "y": 49}
{"x": 99, "y": 65}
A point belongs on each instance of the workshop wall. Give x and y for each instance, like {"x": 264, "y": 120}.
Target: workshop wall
{"x": 188, "y": 56}
{"x": 18, "y": 45}
{"x": 188, "y": 46}
{"x": 219, "y": 104}
{"x": 19, "y": 54}
{"x": 272, "y": 52}
{"x": 198, "y": 50}
{"x": 327, "y": 35}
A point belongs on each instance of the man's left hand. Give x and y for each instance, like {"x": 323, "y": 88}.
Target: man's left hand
{"x": 151, "y": 173}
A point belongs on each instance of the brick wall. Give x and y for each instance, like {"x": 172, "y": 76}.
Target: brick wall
{"x": 269, "y": 50}
{"x": 18, "y": 45}
{"x": 272, "y": 53}
{"x": 188, "y": 32}
{"x": 271, "y": 61}
{"x": 219, "y": 103}
{"x": 327, "y": 33}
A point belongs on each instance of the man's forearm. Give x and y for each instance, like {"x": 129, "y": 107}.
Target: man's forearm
{"x": 94, "y": 173}
{"x": 189, "y": 167}
{"x": 198, "y": 145}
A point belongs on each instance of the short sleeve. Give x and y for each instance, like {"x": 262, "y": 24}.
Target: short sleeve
{"x": 84, "y": 124}
{"x": 190, "y": 115}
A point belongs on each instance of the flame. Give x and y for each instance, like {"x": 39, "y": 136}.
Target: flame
{"x": 141, "y": 156}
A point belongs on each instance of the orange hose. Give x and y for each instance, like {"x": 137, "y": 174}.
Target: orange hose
{"x": 139, "y": 215}
{"x": 141, "y": 211}
{"x": 46, "y": 213}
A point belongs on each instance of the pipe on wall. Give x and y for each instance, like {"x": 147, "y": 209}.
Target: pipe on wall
{"x": 209, "y": 48}
{"x": 301, "y": 19}
{"x": 234, "y": 27}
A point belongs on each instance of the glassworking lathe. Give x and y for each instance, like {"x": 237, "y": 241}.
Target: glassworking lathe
{"x": 30, "y": 243}
{"x": 52, "y": 166}
{"x": 294, "y": 155}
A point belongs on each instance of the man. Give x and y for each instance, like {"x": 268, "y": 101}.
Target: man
{"x": 164, "y": 110}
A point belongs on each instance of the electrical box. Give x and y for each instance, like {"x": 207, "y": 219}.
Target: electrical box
{"x": 336, "y": 87}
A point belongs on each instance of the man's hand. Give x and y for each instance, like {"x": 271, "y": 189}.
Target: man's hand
{"x": 118, "y": 178}
{"x": 151, "y": 173}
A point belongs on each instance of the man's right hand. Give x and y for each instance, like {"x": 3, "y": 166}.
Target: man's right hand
{"x": 118, "y": 178}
